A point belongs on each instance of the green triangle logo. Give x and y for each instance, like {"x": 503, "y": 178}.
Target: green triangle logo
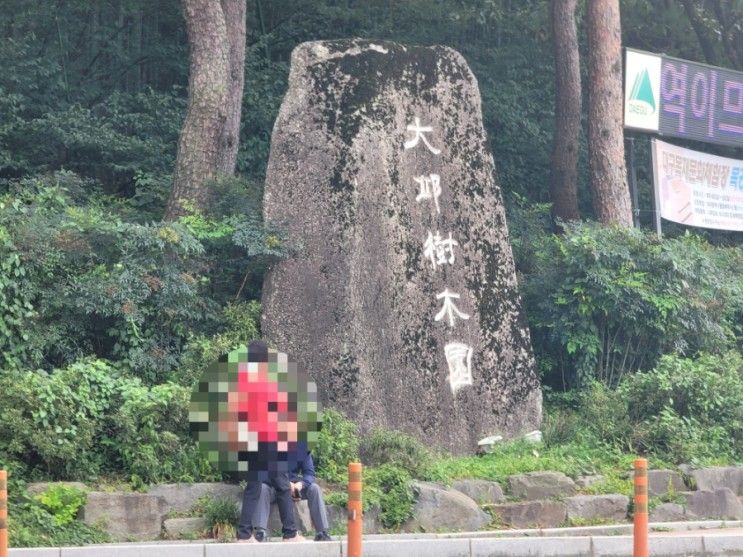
{"x": 642, "y": 90}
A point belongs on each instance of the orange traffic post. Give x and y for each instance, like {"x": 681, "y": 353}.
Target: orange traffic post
{"x": 641, "y": 508}
{"x": 3, "y": 513}
{"x": 355, "y": 515}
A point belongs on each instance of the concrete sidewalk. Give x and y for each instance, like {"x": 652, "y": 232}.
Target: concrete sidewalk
{"x": 705, "y": 539}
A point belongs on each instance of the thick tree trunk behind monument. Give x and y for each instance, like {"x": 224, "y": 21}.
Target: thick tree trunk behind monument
{"x": 229, "y": 141}
{"x": 564, "y": 179}
{"x": 611, "y": 198}
{"x": 208, "y": 86}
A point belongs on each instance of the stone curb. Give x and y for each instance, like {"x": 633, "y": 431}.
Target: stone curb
{"x": 545, "y": 543}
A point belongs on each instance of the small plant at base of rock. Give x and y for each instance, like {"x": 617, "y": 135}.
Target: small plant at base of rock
{"x": 339, "y": 498}
{"x": 338, "y": 444}
{"x": 389, "y": 486}
{"x": 221, "y": 517}
{"x": 596, "y": 521}
{"x": 399, "y": 449}
{"x": 612, "y": 483}
{"x": 32, "y": 525}
{"x": 62, "y": 502}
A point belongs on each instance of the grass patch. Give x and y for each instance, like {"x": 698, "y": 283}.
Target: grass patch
{"x": 519, "y": 457}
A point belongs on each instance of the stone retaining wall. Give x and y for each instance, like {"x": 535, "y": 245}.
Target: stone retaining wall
{"x": 536, "y": 499}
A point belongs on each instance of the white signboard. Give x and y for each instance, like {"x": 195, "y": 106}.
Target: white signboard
{"x": 642, "y": 90}
{"x": 698, "y": 189}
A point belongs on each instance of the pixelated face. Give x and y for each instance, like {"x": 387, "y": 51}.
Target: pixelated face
{"x": 254, "y": 412}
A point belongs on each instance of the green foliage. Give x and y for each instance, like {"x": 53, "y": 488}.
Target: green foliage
{"x": 398, "y": 449}
{"x": 49, "y": 522}
{"x": 389, "y": 487}
{"x": 241, "y": 321}
{"x": 15, "y": 306}
{"x": 582, "y": 455}
{"x": 30, "y": 525}
{"x": 684, "y": 410}
{"x": 130, "y": 292}
{"x": 62, "y": 502}
{"x": 90, "y": 419}
{"x": 338, "y": 444}
{"x": 150, "y": 438}
{"x": 51, "y": 421}
{"x": 604, "y": 301}
{"x": 222, "y": 516}
{"x": 688, "y": 409}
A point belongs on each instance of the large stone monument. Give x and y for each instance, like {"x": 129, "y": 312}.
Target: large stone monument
{"x": 401, "y": 300}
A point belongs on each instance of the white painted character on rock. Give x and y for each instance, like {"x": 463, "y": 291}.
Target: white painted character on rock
{"x": 438, "y": 250}
{"x": 449, "y": 310}
{"x": 430, "y": 188}
{"x": 459, "y": 360}
{"x": 419, "y": 130}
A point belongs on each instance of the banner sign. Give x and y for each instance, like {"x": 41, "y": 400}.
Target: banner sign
{"x": 678, "y": 98}
{"x": 698, "y": 189}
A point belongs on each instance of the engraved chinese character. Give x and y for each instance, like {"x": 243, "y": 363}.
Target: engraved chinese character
{"x": 438, "y": 250}
{"x": 419, "y": 131}
{"x": 459, "y": 360}
{"x": 430, "y": 188}
{"x": 449, "y": 310}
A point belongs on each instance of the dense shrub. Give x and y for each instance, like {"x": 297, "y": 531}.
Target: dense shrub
{"x": 688, "y": 408}
{"x": 89, "y": 419}
{"x": 603, "y": 301}
{"x": 683, "y": 410}
{"x": 149, "y": 437}
{"x": 398, "y": 449}
{"x": 338, "y": 444}
{"x": 389, "y": 486}
{"x": 240, "y": 322}
{"x": 83, "y": 281}
{"x": 53, "y": 422}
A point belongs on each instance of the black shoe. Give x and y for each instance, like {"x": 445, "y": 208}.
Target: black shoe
{"x": 323, "y": 537}
{"x": 260, "y": 535}
{"x": 293, "y": 537}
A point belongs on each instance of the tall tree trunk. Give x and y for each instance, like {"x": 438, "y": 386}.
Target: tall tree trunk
{"x": 229, "y": 141}
{"x": 732, "y": 37}
{"x": 136, "y": 48}
{"x": 564, "y": 179}
{"x": 702, "y": 33}
{"x": 208, "y": 86}
{"x": 611, "y": 199}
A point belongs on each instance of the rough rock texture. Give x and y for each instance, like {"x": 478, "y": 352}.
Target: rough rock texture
{"x": 730, "y": 477}
{"x": 440, "y": 509}
{"x": 182, "y": 497}
{"x": 125, "y": 515}
{"x": 532, "y": 514}
{"x": 540, "y": 485}
{"x": 356, "y": 304}
{"x": 591, "y": 507}
{"x": 481, "y": 491}
{"x": 671, "y": 512}
{"x": 661, "y": 482}
{"x": 177, "y": 527}
{"x": 338, "y": 517}
{"x": 588, "y": 481}
{"x": 721, "y": 503}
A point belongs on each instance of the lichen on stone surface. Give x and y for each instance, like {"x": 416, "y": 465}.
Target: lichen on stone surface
{"x": 372, "y": 337}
